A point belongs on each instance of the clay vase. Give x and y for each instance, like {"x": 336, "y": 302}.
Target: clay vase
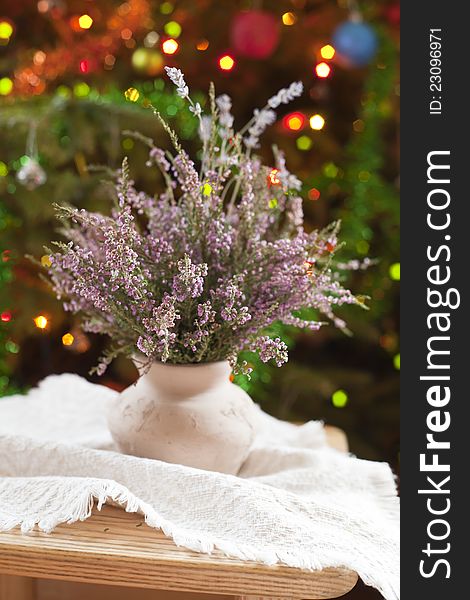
{"x": 187, "y": 414}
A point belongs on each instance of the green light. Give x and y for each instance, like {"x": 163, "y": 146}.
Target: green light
{"x": 273, "y": 203}
{"x": 330, "y": 170}
{"x": 173, "y": 29}
{"x": 127, "y": 143}
{"x": 339, "y": 399}
{"x": 171, "y": 110}
{"x": 6, "y": 30}
{"x": 396, "y": 362}
{"x": 166, "y": 8}
{"x": 12, "y": 347}
{"x": 63, "y": 91}
{"x": 394, "y": 271}
{"x": 6, "y": 85}
{"x": 304, "y": 143}
{"x": 3, "y": 169}
{"x": 206, "y": 189}
{"x": 362, "y": 247}
{"x": 81, "y": 89}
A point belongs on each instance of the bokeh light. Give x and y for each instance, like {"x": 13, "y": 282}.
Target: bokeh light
{"x": 327, "y": 52}
{"x": 339, "y": 399}
{"x": 396, "y": 362}
{"x": 202, "y": 45}
{"x": 323, "y": 70}
{"x": 314, "y": 194}
{"x": 131, "y": 94}
{"x": 170, "y": 46}
{"x": 289, "y": 18}
{"x": 85, "y": 21}
{"x": 41, "y": 322}
{"x": 226, "y": 62}
{"x": 294, "y": 121}
{"x": 6, "y": 30}
{"x": 304, "y": 143}
{"x": 68, "y": 339}
{"x": 6, "y": 86}
{"x": 394, "y": 271}
{"x": 173, "y": 29}
{"x": 317, "y": 122}
{"x": 273, "y": 177}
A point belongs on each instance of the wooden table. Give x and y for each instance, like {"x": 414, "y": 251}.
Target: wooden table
{"x": 117, "y": 548}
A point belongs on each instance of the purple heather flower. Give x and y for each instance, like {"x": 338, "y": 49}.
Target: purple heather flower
{"x": 189, "y": 282}
{"x": 199, "y": 271}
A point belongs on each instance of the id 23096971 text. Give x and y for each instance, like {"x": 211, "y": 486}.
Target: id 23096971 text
{"x": 435, "y": 71}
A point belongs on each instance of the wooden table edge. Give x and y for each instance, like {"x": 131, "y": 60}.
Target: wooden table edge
{"x": 180, "y": 570}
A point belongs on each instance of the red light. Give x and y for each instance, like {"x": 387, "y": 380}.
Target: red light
{"x": 314, "y": 194}
{"x": 84, "y": 66}
{"x": 294, "y": 121}
{"x": 273, "y": 178}
{"x": 323, "y": 70}
{"x": 226, "y": 62}
{"x": 6, "y": 316}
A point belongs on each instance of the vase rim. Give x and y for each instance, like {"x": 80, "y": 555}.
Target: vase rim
{"x": 199, "y": 364}
{"x": 137, "y": 360}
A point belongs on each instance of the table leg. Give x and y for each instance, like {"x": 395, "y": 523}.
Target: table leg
{"x": 13, "y": 587}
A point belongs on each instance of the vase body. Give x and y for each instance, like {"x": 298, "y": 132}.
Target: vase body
{"x": 187, "y": 414}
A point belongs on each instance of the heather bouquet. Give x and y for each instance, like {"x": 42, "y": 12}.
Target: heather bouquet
{"x": 199, "y": 271}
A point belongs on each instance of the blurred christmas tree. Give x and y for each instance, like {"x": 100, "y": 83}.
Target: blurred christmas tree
{"x": 74, "y": 75}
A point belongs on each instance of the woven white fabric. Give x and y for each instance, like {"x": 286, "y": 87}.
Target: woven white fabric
{"x": 295, "y": 502}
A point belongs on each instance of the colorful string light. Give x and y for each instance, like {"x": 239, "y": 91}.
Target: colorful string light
{"x": 68, "y": 339}
{"x": 41, "y": 322}
{"x": 304, "y": 143}
{"x": 339, "y": 399}
{"x": 327, "y": 52}
{"x": 314, "y": 194}
{"x": 323, "y": 70}
{"x": 394, "y": 271}
{"x": 202, "y": 45}
{"x": 85, "y": 21}
{"x": 273, "y": 177}
{"x": 294, "y": 121}
{"x": 170, "y": 46}
{"x": 131, "y": 94}
{"x": 289, "y": 18}
{"x": 226, "y": 62}
{"x": 6, "y": 86}
{"x": 6, "y": 31}
{"x": 173, "y": 29}
{"x": 317, "y": 122}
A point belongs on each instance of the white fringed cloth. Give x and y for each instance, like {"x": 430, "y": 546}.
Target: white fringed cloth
{"x": 296, "y": 501}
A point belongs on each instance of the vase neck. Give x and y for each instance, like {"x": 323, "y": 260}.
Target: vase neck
{"x": 190, "y": 379}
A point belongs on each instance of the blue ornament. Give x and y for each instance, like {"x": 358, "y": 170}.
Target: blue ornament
{"x": 356, "y": 42}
